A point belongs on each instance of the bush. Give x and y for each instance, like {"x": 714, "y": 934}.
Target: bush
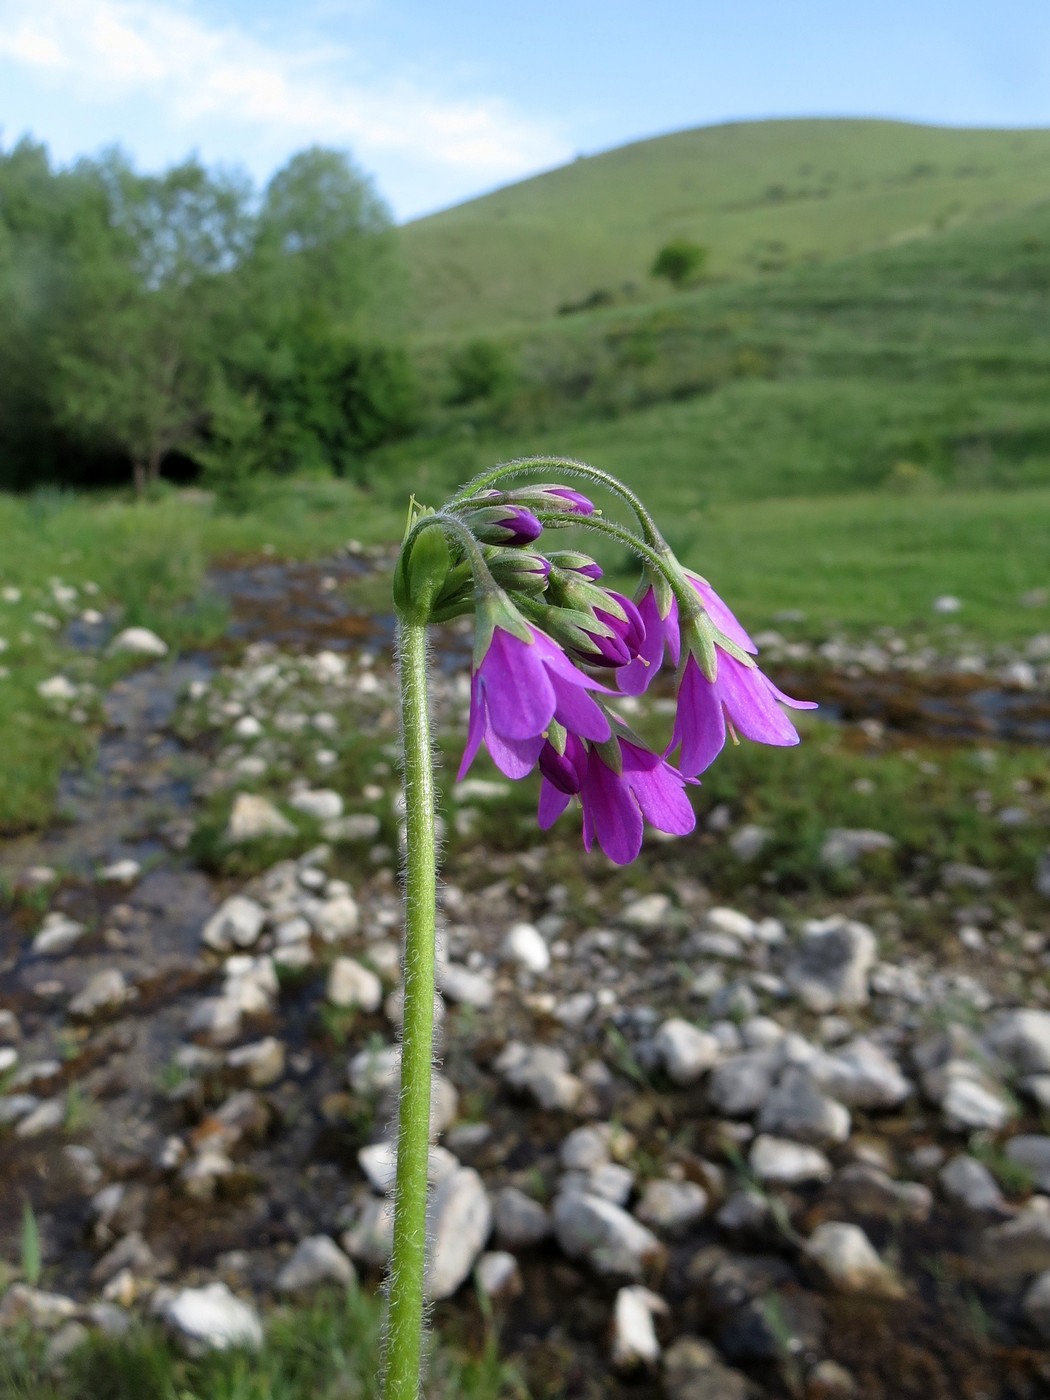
{"x": 680, "y": 261}
{"x": 480, "y": 370}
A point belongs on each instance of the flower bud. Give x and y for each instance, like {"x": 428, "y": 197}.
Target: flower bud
{"x": 518, "y": 570}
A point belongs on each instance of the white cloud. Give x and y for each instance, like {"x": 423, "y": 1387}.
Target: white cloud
{"x": 195, "y": 75}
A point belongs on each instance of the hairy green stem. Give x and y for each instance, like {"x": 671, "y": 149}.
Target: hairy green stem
{"x": 408, "y": 1260}
{"x": 522, "y": 466}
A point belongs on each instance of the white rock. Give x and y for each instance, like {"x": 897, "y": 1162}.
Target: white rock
{"x": 634, "y": 1341}
{"x": 378, "y": 1161}
{"x": 831, "y": 965}
{"x": 844, "y": 847}
{"x": 672, "y": 1206}
{"x": 370, "y": 1238}
{"x": 946, "y": 604}
{"x": 45, "y": 1118}
{"x": 1036, "y": 1304}
{"x": 586, "y": 1148}
{"x": 967, "y": 1180}
{"x": 740, "y": 1084}
{"x": 23, "y": 1303}
{"x": 253, "y": 818}
{"x": 105, "y": 991}
{"x": 57, "y": 936}
{"x": 236, "y": 923}
{"x": 216, "y": 1018}
{"x": 460, "y": 984}
{"x": 317, "y": 1260}
{"x": 749, "y": 841}
{"x": 721, "y": 919}
{"x": 525, "y": 945}
{"x": 685, "y": 1051}
{"x": 373, "y": 1072}
{"x": 498, "y": 1274}
{"x": 320, "y": 804}
{"x": 519, "y": 1220}
{"x": 58, "y": 688}
{"x": 121, "y": 872}
{"x": 648, "y": 913}
{"x": 350, "y": 984}
{"x": 212, "y": 1319}
{"x": 1022, "y": 1038}
{"x": 251, "y": 982}
{"x": 797, "y": 1109}
{"x": 788, "y": 1163}
{"x": 336, "y": 919}
{"x": 847, "y": 1257}
{"x": 542, "y": 1071}
{"x": 861, "y": 1075}
{"x": 969, "y": 1105}
{"x": 262, "y": 1061}
{"x": 1032, "y": 1150}
{"x": 138, "y": 641}
{"x": 611, "y": 1241}
{"x": 459, "y": 1219}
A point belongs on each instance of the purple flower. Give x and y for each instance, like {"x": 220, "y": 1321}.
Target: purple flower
{"x": 573, "y": 501}
{"x": 505, "y": 523}
{"x": 620, "y": 645}
{"x": 721, "y": 615}
{"x": 560, "y": 498}
{"x": 619, "y": 789}
{"x": 661, "y": 634}
{"x": 517, "y": 688}
{"x": 739, "y": 697}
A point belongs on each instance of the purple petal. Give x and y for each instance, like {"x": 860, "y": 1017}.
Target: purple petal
{"x": 659, "y": 789}
{"x": 721, "y": 615}
{"x": 751, "y": 705}
{"x": 519, "y": 697}
{"x": 577, "y": 712}
{"x": 787, "y": 700}
{"x": 615, "y": 814}
{"x": 475, "y": 728}
{"x": 574, "y": 501}
{"x": 552, "y": 803}
{"x": 557, "y": 663}
{"x": 515, "y": 758}
{"x": 699, "y": 725}
{"x": 634, "y": 678}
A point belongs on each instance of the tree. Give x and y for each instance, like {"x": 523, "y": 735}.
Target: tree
{"x": 136, "y": 363}
{"x": 680, "y": 261}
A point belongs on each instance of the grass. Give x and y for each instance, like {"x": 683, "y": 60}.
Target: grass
{"x": 329, "y": 1350}
{"x": 762, "y": 197}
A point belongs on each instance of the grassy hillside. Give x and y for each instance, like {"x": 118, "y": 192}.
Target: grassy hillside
{"x": 761, "y": 196}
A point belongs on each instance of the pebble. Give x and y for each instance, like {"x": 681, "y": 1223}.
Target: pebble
{"x": 370, "y": 1238}
{"x": 1022, "y": 1038}
{"x": 861, "y": 1075}
{"x": 352, "y": 985}
{"x": 634, "y": 1340}
{"x": 831, "y": 966}
{"x": 138, "y": 641}
{"x": 58, "y": 935}
{"x": 121, "y": 872}
{"x": 848, "y": 1259}
{"x": 797, "y": 1109}
{"x": 519, "y": 1220}
{"x": 498, "y": 1275}
{"x": 320, "y": 804}
{"x": 467, "y": 988}
{"x": 45, "y": 1118}
{"x": 967, "y": 1180}
{"x": 1032, "y": 1151}
{"x": 262, "y": 1061}
{"x": 693, "y": 1370}
{"x": 105, "y": 991}
{"x": 685, "y": 1051}
{"x": 212, "y": 1319}
{"x": 317, "y": 1260}
{"x": 844, "y": 848}
{"x": 254, "y": 818}
{"x": 787, "y": 1163}
{"x": 604, "y": 1235}
{"x": 541, "y": 1071}
{"x": 459, "y": 1220}
{"x": 337, "y": 919}
{"x": 740, "y": 1085}
{"x": 526, "y": 946}
{"x": 672, "y": 1206}
{"x": 236, "y": 923}
{"x": 1036, "y": 1304}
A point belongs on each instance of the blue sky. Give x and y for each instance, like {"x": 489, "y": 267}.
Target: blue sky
{"x": 442, "y": 101}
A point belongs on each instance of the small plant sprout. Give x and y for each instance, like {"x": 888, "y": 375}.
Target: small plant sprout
{"x": 553, "y": 649}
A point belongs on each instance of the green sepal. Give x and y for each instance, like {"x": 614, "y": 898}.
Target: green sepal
{"x": 420, "y": 573}
{"x": 608, "y": 750}
{"x": 518, "y": 570}
{"x": 493, "y": 608}
{"x": 570, "y": 591}
{"x": 557, "y": 736}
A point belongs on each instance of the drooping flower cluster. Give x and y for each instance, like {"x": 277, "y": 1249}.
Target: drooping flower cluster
{"x": 554, "y": 647}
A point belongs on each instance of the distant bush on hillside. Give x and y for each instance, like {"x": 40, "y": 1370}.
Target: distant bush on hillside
{"x": 680, "y": 262}
{"x": 480, "y": 369}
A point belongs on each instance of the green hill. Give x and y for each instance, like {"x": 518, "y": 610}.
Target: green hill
{"x": 760, "y": 196}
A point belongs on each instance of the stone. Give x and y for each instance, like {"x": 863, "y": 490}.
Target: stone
{"x": 541, "y": 1071}
{"x": 57, "y": 688}
{"x": 131, "y": 1253}
{"x": 745, "y": 1211}
{"x": 604, "y": 1235}
{"x": 251, "y": 982}
{"x": 634, "y": 1340}
{"x": 831, "y": 965}
{"x": 749, "y": 841}
{"x": 693, "y": 1370}
{"x": 672, "y": 1206}
{"x": 212, "y": 1319}
{"x": 797, "y": 1109}
{"x": 236, "y": 923}
{"x": 467, "y": 988}
{"x": 58, "y": 935}
{"x": 1021, "y": 1038}
{"x": 138, "y": 641}
{"x": 337, "y": 918}
{"x": 45, "y": 1118}
{"x": 105, "y": 991}
{"x": 255, "y": 818}
{"x": 519, "y": 1220}
{"x": 352, "y": 985}
{"x": 969, "y": 1181}
{"x": 1036, "y": 1304}
{"x": 527, "y": 947}
{"x": 121, "y": 872}
{"x": 378, "y": 1161}
{"x": 1015, "y": 1249}
{"x": 1032, "y": 1151}
{"x": 739, "y": 1085}
{"x": 586, "y": 1148}
{"x": 830, "y": 1381}
{"x": 866, "y": 1189}
{"x": 262, "y": 1062}
{"x": 861, "y": 1075}
{"x": 319, "y": 804}
{"x": 843, "y": 848}
{"x": 316, "y": 1260}
{"x": 16, "y": 1106}
{"x": 375, "y": 1071}
{"x": 787, "y": 1163}
{"x": 847, "y": 1258}
{"x": 70, "y": 1337}
{"x": 648, "y": 913}
{"x": 371, "y": 1237}
{"x": 23, "y": 1303}
{"x": 611, "y": 1180}
{"x": 459, "y": 1220}
{"x": 217, "y": 1019}
{"x": 498, "y": 1275}
{"x": 685, "y": 1051}
{"x": 968, "y": 1105}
